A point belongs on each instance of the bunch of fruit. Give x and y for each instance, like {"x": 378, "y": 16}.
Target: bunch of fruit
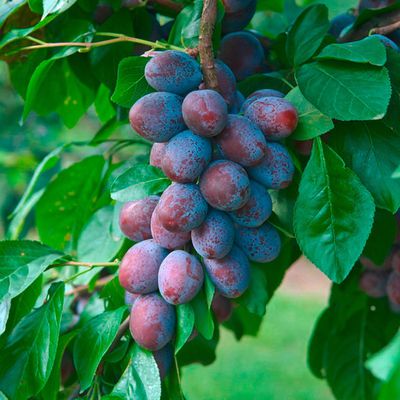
{"x": 213, "y": 217}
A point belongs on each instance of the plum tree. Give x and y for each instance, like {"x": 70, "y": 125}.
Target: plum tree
{"x": 205, "y": 112}
{"x": 157, "y": 116}
{"x": 185, "y": 157}
{"x": 180, "y": 277}
{"x": 225, "y": 185}
{"x": 215, "y": 236}
{"x": 173, "y": 71}
{"x": 275, "y": 170}
{"x": 139, "y": 267}
{"x": 257, "y": 209}
{"x": 230, "y": 274}
{"x": 261, "y": 244}
{"x": 182, "y": 207}
{"x": 152, "y": 321}
{"x": 241, "y": 141}
{"x": 135, "y": 217}
{"x": 276, "y": 117}
{"x": 242, "y": 53}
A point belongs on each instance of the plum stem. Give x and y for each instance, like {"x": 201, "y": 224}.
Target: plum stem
{"x": 87, "y": 264}
{"x": 207, "y": 25}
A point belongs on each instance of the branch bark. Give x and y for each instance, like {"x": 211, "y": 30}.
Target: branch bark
{"x": 207, "y": 25}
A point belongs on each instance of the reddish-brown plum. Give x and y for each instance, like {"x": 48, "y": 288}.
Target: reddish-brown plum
{"x": 393, "y": 288}
{"x": 225, "y": 185}
{"x": 152, "y": 322}
{"x": 205, "y": 112}
{"x": 276, "y": 117}
{"x": 164, "y": 359}
{"x": 157, "y": 116}
{"x": 231, "y": 274}
{"x": 215, "y": 236}
{"x": 135, "y": 217}
{"x": 185, "y": 157}
{"x": 130, "y": 298}
{"x": 180, "y": 277}
{"x": 222, "y": 308}
{"x": 182, "y": 207}
{"x": 235, "y": 5}
{"x": 157, "y": 154}
{"x": 373, "y": 282}
{"x": 236, "y": 21}
{"x": 259, "y": 94}
{"x": 241, "y": 141}
{"x": 139, "y": 267}
{"x": 165, "y": 238}
{"x": 237, "y": 104}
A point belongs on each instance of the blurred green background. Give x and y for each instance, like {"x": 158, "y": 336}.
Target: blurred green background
{"x": 271, "y": 366}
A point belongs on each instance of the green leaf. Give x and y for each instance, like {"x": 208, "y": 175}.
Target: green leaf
{"x": 256, "y": 296}
{"x": 113, "y": 294}
{"x": 203, "y": 320}
{"x": 307, "y": 34}
{"x": 372, "y": 151}
{"x": 391, "y": 390}
{"x": 92, "y": 342}
{"x": 21, "y": 263}
{"x": 263, "y": 81}
{"x": 312, "y": 122}
{"x": 138, "y": 182}
{"x": 345, "y": 91}
{"x": 9, "y": 7}
{"x": 209, "y": 290}
{"x": 5, "y": 306}
{"x": 131, "y": 83}
{"x": 56, "y": 6}
{"x": 69, "y": 200}
{"x": 333, "y": 214}
{"x": 32, "y": 346}
{"x": 109, "y": 238}
{"x": 102, "y": 103}
{"x": 141, "y": 379}
{"x": 184, "y": 326}
{"x": 369, "y": 50}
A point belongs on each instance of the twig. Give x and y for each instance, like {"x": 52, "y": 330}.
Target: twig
{"x": 207, "y": 24}
{"x": 177, "y": 7}
{"x": 384, "y": 30}
{"x": 121, "y": 332}
{"x": 85, "y": 288}
{"x": 87, "y": 264}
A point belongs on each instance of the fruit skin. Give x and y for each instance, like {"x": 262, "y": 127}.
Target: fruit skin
{"x": 185, "y": 157}
{"x": 157, "y": 116}
{"x": 242, "y": 53}
{"x": 241, "y": 141}
{"x": 173, "y": 71}
{"x": 165, "y": 238}
{"x": 182, "y": 207}
{"x": 340, "y": 22}
{"x": 205, "y": 112}
{"x": 215, "y": 236}
{"x": 237, "y": 104}
{"x": 152, "y": 321}
{"x": 135, "y": 217}
{"x": 180, "y": 277}
{"x": 222, "y": 308}
{"x": 276, "y": 169}
{"x": 225, "y": 185}
{"x": 235, "y": 5}
{"x": 276, "y": 117}
{"x": 236, "y": 21}
{"x": 261, "y": 244}
{"x": 387, "y": 42}
{"x": 373, "y": 283}
{"x": 259, "y": 94}
{"x": 231, "y": 274}
{"x": 257, "y": 210}
{"x": 164, "y": 359}
{"x": 157, "y": 154}
{"x": 130, "y": 298}
{"x": 139, "y": 267}
{"x": 393, "y": 288}
{"x": 364, "y": 4}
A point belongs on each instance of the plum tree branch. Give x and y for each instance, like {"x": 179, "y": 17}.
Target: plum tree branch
{"x": 121, "y": 332}
{"x": 207, "y": 25}
{"x": 85, "y": 288}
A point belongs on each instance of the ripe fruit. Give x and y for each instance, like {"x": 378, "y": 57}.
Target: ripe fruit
{"x": 182, "y": 207}
{"x": 235, "y": 5}
{"x": 275, "y": 170}
{"x": 152, "y": 321}
{"x": 164, "y": 359}
{"x": 185, "y": 157}
{"x": 237, "y": 103}
{"x": 180, "y": 277}
{"x": 373, "y": 283}
{"x": 157, "y": 116}
{"x": 243, "y": 54}
{"x": 165, "y": 238}
{"x": 236, "y": 21}
{"x": 231, "y": 274}
{"x": 261, "y": 244}
{"x": 173, "y": 71}
{"x": 257, "y": 210}
{"x": 157, "y": 154}
{"x": 259, "y": 94}
{"x": 222, "y": 308}
{"x": 276, "y": 117}
{"x": 215, "y": 236}
{"x": 393, "y": 288}
{"x": 340, "y": 22}
{"x": 225, "y": 185}
{"x": 241, "y": 141}
{"x": 130, "y": 298}
{"x": 205, "y": 112}
{"x": 139, "y": 267}
{"x": 135, "y": 217}
{"x": 364, "y": 4}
